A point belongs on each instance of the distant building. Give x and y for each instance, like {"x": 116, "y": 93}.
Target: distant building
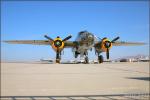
{"x": 123, "y": 60}
{"x": 137, "y": 58}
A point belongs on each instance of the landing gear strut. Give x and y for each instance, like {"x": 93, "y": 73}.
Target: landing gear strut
{"x": 76, "y": 54}
{"x": 86, "y": 59}
{"x": 58, "y": 57}
{"x": 100, "y": 59}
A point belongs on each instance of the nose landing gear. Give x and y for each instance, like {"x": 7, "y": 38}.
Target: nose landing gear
{"x": 86, "y": 60}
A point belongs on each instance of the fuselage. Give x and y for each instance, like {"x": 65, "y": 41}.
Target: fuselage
{"x": 86, "y": 41}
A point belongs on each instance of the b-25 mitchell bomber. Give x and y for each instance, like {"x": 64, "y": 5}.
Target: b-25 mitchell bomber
{"x": 84, "y": 42}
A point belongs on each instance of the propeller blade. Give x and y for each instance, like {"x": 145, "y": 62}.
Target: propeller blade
{"x": 99, "y": 38}
{"x": 107, "y": 53}
{"x": 48, "y": 37}
{"x": 67, "y": 38}
{"x": 115, "y": 39}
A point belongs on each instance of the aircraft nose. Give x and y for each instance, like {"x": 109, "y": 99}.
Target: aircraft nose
{"x": 90, "y": 37}
{"x": 83, "y": 39}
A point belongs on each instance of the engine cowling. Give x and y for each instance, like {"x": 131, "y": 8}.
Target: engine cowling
{"x": 58, "y": 44}
{"x": 106, "y": 44}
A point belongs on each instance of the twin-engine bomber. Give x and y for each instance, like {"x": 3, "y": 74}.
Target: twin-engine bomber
{"x": 84, "y": 42}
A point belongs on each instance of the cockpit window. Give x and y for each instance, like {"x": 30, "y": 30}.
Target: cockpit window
{"x": 82, "y": 32}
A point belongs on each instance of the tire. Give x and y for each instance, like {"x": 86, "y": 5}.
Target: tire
{"x": 100, "y": 59}
{"x": 57, "y": 60}
{"x": 86, "y": 60}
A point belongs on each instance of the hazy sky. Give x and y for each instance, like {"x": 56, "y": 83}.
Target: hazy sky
{"x": 33, "y": 19}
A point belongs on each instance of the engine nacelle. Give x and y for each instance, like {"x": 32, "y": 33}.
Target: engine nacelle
{"x": 106, "y": 44}
{"x": 58, "y": 44}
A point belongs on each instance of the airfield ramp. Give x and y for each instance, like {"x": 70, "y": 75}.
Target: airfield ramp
{"x": 75, "y": 81}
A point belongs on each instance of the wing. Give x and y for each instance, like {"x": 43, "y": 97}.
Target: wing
{"x": 70, "y": 44}
{"x": 74, "y": 43}
{"x": 40, "y": 42}
{"x": 33, "y": 42}
{"x": 122, "y": 43}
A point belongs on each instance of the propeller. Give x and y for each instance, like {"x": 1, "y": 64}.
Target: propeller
{"x": 107, "y": 53}
{"x": 58, "y": 45}
{"x": 108, "y": 44}
{"x": 48, "y": 38}
{"x": 67, "y": 38}
{"x": 115, "y": 39}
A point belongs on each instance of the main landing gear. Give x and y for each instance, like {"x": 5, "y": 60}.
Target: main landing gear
{"x": 58, "y": 57}
{"x": 100, "y": 59}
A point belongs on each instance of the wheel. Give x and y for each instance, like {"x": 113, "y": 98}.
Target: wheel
{"x": 100, "y": 59}
{"x": 76, "y": 54}
{"x": 57, "y": 60}
{"x": 86, "y": 60}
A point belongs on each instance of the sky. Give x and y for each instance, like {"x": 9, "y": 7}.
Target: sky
{"x": 31, "y": 20}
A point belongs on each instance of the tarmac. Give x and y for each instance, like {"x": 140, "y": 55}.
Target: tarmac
{"x": 109, "y": 81}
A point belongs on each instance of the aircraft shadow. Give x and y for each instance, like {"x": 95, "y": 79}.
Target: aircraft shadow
{"x": 140, "y": 78}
